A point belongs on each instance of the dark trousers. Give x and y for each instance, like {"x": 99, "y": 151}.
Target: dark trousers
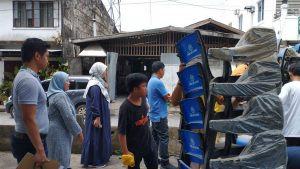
{"x": 160, "y": 132}
{"x": 21, "y": 144}
{"x": 150, "y": 160}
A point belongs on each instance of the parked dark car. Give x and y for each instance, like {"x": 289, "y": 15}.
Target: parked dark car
{"x": 77, "y": 88}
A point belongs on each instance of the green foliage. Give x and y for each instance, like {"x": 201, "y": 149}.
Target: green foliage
{"x": 6, "y": 86}
{"x": 5, "y": 90}
{"x": 51, "y": 69}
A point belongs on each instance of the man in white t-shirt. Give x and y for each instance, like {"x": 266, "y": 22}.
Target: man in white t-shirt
{"x": 290, "y": 98}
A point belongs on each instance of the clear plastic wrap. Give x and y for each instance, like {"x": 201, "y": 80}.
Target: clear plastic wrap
{"x": 264, "y": 112}
{"x": 261, "y": 77}
{"x": 256, "y": 44}
{"x": 266, "y": 150}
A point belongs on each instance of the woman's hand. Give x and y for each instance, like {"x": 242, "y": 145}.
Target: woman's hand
{"x": 80, "y": 137}
{"x": 97, "y": 122}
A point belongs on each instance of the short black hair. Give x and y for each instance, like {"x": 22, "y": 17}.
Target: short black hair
{"x": 32, "y": 45}
{"x": 157, "y": 65}
{"x": 295, "y": 69}
{"x": 135, "y": 80}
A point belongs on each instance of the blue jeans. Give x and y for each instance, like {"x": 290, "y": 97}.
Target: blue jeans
{"x": 22, "y": 145}
{"x": 160, "y": 132}
{"x": 293, "y": 157}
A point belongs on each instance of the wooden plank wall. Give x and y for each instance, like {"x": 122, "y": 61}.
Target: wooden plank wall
{"x": 293, "y": 7}
{"x": 155, "y": 44}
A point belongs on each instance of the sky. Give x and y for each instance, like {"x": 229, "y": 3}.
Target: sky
{"x": 148, "y": 14}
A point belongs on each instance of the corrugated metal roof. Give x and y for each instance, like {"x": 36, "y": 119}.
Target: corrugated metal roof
{"x": 153, "y": 32}
{"x": 211, "y": 21}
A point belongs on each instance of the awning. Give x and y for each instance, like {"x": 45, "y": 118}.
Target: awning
{"x": 93, "y": 50}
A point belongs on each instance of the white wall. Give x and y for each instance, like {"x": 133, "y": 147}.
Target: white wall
{"x": 290, "y": 28}
{"x": 248, "y": 19}
{"x": 286, "y": 27}
{"x": 8, "y": 33}
{"x": 170, "y": 78}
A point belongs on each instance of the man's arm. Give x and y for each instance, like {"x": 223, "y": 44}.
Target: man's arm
{"x": 28, "y": 113}
{"x": 176, "y": 95}
{"x": 123, "y": 143}
{"x": 167, "y": 97}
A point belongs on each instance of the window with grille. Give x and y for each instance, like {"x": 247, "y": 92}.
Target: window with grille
{"x": 33, "y": 14}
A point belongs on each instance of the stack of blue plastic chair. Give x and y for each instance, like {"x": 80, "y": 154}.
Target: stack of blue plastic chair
{"x": 194, "y": 81}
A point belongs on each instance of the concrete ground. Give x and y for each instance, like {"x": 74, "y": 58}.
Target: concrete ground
{"x": 7, "y": 161}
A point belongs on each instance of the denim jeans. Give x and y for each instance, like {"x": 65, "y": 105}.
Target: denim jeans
{"x": 293, "y": 157}
{"x": 160, "y": 132}
{"x": 20, "y": 146}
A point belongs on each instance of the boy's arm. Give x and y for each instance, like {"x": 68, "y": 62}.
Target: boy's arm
{"x": 122, "y": 124}
{"x": 123, "y": 143}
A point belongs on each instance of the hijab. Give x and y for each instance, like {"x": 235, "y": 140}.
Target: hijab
{"x": 97, "y": 73}
{"x": 57, "y": 83}
{"x": 57, "y": 86}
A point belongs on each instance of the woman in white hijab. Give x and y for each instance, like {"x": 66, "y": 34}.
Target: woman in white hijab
{"x": 97, "y": 147}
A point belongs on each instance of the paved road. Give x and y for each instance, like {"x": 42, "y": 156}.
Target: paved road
{"x": 8, "y": 162}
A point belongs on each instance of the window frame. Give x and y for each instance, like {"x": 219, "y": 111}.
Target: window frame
{"x": 260, "y": 10}
{"x": 30, "y": 14}
{"x": 241, "y": 22}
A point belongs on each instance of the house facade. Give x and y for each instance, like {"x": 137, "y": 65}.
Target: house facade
{"x": 54, "y": 21}
{"x": 136, "y": 51}
{"x": 281, "y": 15}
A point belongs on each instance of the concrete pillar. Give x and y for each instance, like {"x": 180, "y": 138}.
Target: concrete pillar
{"x": 75, "y": 66}
{"x": 1, "y": 71}
{"x": 284, "y": 8}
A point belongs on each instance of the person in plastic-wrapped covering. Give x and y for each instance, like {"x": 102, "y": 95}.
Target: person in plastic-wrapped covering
{"x": 97, "y": 147}
{"x": 62, "y": 120}
{"x": 290, "y": 98}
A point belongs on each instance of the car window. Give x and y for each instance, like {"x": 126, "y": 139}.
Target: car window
{"x": 45, "y": 85}
{"x": 81, "y": 84}
{"x": 72, "y": 85}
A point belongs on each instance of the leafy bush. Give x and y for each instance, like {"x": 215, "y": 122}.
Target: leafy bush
{"x": 6, "y": 86}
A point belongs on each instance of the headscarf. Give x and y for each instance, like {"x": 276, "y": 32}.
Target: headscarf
{"x": 97, "y": 73}
{"x": 57, "y": 86}
{"x": 57, "y": 83}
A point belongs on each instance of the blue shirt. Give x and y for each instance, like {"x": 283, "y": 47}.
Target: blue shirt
{"x": 27, "y": 89}
{"x": 158, "y": 105}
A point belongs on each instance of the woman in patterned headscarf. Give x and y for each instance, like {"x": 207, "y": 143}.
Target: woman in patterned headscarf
{"x": 97, "y": 147}
{"x": 63, "y": 125}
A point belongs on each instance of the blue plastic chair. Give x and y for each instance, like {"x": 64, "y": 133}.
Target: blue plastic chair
{"x": 192, "y": 110}
{"x": 192, "y": 145}
{"x": 192, "y": 80}
{"x": 182, "y": 165}
{"x": 189, "y": 48}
